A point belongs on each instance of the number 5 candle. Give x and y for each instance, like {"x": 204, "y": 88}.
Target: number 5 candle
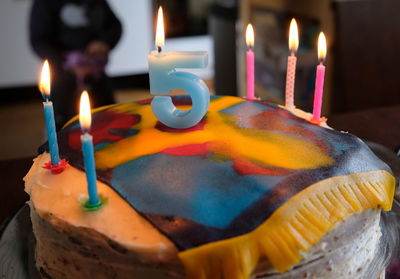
{"x": 319, "y": 81}
{"x": 164, "y": 78}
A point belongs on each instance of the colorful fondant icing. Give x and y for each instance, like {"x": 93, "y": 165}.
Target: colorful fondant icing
{"x": 226, "y": 180}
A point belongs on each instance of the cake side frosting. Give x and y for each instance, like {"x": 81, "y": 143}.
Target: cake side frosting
{"x": 225, "y": 178}
{"x": 71, "y": 244}
{"x": 61, "y": 196}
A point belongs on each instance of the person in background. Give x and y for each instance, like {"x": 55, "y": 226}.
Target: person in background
{"x": 76, "y": 37}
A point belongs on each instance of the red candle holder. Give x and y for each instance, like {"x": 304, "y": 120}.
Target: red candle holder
{"x": 317, "y": 121}
{"x": 56, "y": 169}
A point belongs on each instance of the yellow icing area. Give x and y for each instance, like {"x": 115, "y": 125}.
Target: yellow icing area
{"x": 294, "y": 227}
{"x": 264, "y": 147}
{"x": 148, "y": 119}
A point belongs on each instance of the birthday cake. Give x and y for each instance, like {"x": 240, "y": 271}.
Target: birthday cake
{"x": 252, "y": 191}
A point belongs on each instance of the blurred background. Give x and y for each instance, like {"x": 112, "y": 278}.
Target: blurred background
{"x": 363, "y": 43}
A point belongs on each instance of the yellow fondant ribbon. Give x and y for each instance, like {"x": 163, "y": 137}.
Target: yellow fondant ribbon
{"x": 294, "y": 227}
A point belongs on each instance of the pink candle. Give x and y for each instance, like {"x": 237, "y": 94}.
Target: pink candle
{"x": 250, "y": 62}
{"x": 291, "y": 66}
{"x": 319, "y": 81}
{"x": 290, "y": 78}
{"x": 250, "y": 74}
{"x": 319, "y": 91}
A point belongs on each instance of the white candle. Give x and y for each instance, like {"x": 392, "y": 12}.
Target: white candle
{"x": 291, "y": 66}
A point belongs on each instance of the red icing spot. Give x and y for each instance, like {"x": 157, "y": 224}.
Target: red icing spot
{"x": 182, "y": 100}
{"x": 199, "y": 126}
{"x": 105, "y": 175}
{"x": 245, "y": 167}
{"x": 242, "y": 166}
{"x": 101, "y": 126}
{"x": 144, "y": 102}
{"x": 187, "y": 150}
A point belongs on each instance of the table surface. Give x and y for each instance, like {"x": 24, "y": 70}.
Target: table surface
{"x": 12, "y": 186}
{"x": 380, "y": 125}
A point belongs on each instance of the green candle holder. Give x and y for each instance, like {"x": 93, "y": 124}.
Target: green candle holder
{"x": 86, "y": 206}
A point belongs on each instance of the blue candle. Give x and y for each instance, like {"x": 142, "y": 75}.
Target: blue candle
{"x": 90, "y": 168}
{"x": 44, "y": 87}
{"x": 164, "y": 78}
{"x": 51, "y": 132}
{"x": 88, "y": 151}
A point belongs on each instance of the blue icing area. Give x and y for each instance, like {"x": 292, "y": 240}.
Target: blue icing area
{"x": 244, "y": 111}
{"x": 191, "y": 187}
{"x": 102, "y": 145}
{"x": 213, "y": 97}
{"x": 74, "y": 125}
{"x": 123, "y": 133}
{"x": 337, "y": 142}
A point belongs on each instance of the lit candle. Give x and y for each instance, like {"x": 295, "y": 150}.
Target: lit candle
{"x": 85, "y": 119}
{"x": 250, "y": 62}
{"x": 164, "y": 78}
{"x": 291, "y": 65}
{"x": 44, "y": 87}
{"x": 319, "y": 82}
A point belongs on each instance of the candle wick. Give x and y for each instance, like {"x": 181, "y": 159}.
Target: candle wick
{"x": 47, "y": 99}
{"x": 292, "y": 53}
{"x": 159, "y": 49}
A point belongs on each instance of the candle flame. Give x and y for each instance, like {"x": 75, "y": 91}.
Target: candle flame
{"x": 293, "y": 36}
{"x": 250, "y": 35}
{"x": 160, "y": 36}
{"x": 321, "y": 46}
{"x": 44, "y": 82}
{"x": 85, "y": 115}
